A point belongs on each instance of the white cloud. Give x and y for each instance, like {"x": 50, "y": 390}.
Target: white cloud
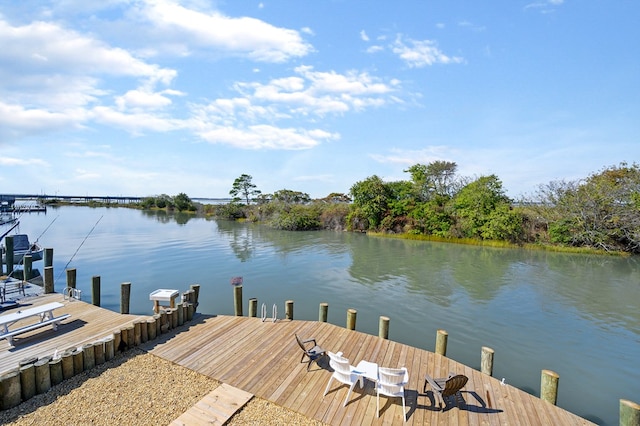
{"x": 364, "y": 36}
{"x": 421, "y": 53}
{"x": 22, "y": 162}
{"x": 251, "y": 37}
{"x": 266, "y": 137}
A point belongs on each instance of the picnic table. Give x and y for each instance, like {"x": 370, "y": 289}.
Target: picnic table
{"x": 44, "y": 313}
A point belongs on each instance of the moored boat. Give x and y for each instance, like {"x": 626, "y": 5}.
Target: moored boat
{"x": 21, "y": 247}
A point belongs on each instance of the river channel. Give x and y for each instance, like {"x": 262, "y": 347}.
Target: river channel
{"x": 578, "y": 315}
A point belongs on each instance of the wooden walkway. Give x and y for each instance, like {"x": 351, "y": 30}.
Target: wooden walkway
{"x": 87, "y": 324}
{"x": 215, "y": 408}
{"x": 262, "y": 358}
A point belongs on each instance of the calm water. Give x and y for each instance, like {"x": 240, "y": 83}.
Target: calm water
{"x": 575, "y": 314}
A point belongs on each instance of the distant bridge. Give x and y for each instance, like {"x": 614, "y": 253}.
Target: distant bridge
{"x": 10, "y": 199}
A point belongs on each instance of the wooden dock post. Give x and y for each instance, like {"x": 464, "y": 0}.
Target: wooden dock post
{"x": 130, "y": 336}
{"x": 117, "y": 340}
{"x": 55, "y": 371}
{"x": 48, "y": 257}
{"x": 151, "y": 328}
{"x": 144, "y": 331}
{"x": 191, "y": 310}
{"x": 88, "y": 356}
{"x": 196, "y": 293}
{"x": 288, "y": 310}
{"x": 441, "y": 342}
{"x": 629, "y": 413}
{"x": 8, "y": 244}
{"x": 71, "y": 277}
{"x": 48, "y": 280}
{"x": 486, "y": 360}
{"x": 383, "y": 327}
{"x": 67, "y": 364}
{"x": 237, "y": 300}
{"x": 78, "y": 361}
{"x": 549, "y": 386}
{"x": 43, "y": 376}
{"x": 98, "y": 351}
{"x": 95, "y": 290}
{"x": 10, "y": 384}
{"x": 27, "y": 267}
{"x": 125, "y": 297}
{"x": 253, "y": 307}
{"x": 27, "y": 381}
{"x": 323, "y": 312}
{"x": 351, "y": 318}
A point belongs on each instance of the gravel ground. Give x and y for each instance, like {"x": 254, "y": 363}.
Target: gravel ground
{"x": 135, "y": 388}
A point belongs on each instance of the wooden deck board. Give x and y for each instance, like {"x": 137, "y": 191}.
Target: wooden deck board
{"x": 264, "y": 359}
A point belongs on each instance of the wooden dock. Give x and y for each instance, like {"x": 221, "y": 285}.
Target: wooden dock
{"x": 262, "y": 358}
{"x": 87, "y": 324}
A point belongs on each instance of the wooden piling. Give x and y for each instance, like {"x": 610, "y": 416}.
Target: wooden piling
{"x": 323, "y": 312}
{"x": 125, "y": 297}
{"x": 549, "y": 386}
{"x": 109, "y": 348}
{"x": 151, "y": 328}
{"x": 180, "y": 313}
{"x": 10, "y": 383}
{"x": 130, "y": 336}
{"x": 78, "y": 361}
{"x": 629, "y": 413}
{"x": 383, "y": 327}
{"x": 71, "y": 277}
{"x": 47, "y": 259}
{"x": 144, "y": 331}
{"x": 95, "y": 290}
{"x": 67, "y": 364}
{"x": 98, "y": 352}
{"x": 158, "y": 320}
{"x": 88, "y": 356}
{"x": 441, "y": 342}
{"x": 288, "y": 310}
{"x": 253, "y": 307}
{"x": 43, "y": 376}
{"x": 237, "y": 300}
{"x": 191, "y": 310}
{"x": 351, "y": 318}
{"x": 27, "y": 381}
{"x": 27, "y": 267}
{"x": 196, "y": 294}
{"x": 48, "y": 280}
{"x": 486, "y": 360}
{"x": 164, "y": 323}
{"x": 55, "y": 371}
{"x": 8, "y": 244}
{"x": 137, "y": 333}
{"x": 117, "y": 340}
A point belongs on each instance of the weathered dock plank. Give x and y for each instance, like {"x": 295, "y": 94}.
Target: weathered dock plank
{"x": 264, "y": 359}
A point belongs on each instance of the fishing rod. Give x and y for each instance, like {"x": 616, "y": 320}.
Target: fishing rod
{"x": 47, "y": 228}
{"x": 10, "y": 229}
{"x": 78, "y": 249}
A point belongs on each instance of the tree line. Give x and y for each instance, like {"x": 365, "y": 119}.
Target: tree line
{"x": 601, "y": 211}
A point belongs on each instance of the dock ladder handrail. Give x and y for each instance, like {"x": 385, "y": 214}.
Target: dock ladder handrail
{"x": 72, "y": 293}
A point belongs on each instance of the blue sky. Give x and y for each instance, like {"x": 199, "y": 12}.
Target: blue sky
{"x": 144, "y": 97}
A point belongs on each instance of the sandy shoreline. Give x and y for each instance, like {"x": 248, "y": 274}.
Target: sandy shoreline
{"x": 136, "y": 388}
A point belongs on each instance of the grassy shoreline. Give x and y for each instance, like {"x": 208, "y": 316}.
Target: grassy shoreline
{"x": 500, "y": 244}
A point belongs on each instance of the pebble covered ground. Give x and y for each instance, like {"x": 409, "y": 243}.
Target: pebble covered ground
{"x": 136, "y": 388}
